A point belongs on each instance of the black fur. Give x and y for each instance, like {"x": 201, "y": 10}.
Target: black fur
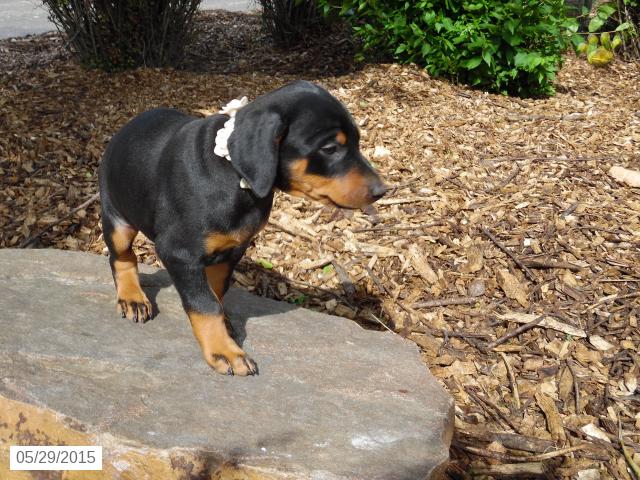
{"x": 159, "y": 175}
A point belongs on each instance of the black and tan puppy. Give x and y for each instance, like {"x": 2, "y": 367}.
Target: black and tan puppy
{"x": 160, "y": 175}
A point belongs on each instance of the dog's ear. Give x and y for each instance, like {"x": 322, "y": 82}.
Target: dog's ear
{"x": 254, "y": 147}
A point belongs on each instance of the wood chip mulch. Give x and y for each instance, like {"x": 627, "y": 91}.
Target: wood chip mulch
{"x": 504, "y": 249}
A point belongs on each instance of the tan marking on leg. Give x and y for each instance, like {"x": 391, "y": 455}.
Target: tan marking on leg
{"x": 219, "y": 242}
{"x": 349, "y": 190}
{"x": 132, "y": 301}
{"x": 341, "y": 138}
{"x": 217, "y": 276}
{"x": 220, "y": 351}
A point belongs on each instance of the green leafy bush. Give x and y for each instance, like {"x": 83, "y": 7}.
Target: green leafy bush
{"x": 127, "y": 33}
{"x": 513, "y": 47}
{"x": 610, "y": 25}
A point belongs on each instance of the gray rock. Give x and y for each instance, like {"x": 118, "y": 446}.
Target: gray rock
{"x": 332, "y": 401}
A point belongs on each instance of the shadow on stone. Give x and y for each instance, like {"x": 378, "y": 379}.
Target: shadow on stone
{"x": 153, "y": 283}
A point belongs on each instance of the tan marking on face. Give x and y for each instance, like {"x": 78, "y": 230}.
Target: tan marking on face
{"x": 219, "y": 242}
{"x": 220, "y": 351}
{"x": 341, "y": 138}
{"x": 217, "y": 276}
{"x": 350, "y": 190}
{"x": 131, "y": 300}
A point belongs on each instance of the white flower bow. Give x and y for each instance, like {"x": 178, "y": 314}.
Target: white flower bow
{"x": 222, "y": 136}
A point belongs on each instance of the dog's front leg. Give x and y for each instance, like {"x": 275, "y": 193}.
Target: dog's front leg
{"x": 204, "y": 308}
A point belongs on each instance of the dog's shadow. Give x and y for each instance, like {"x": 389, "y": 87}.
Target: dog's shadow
{"x": 238, "y": 305}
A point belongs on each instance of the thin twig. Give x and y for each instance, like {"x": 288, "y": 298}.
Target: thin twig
{"x": 513, "y": 174}
{"x": 394, "y": 188}
{"x": 515, "y": 333}
{"x": 611, "y": 298}
{"x": 542, "y": 263}
{"x": 525, "y": 458}
{"x": 381, "y": 322}
{"x": 511, "y": 255}
{"x": 627, "y": 455}
{"x": 570, "y": 210}
{"x": 481, "y": 399}
{"x": 290, "y": 231}
{"x": 25, "y": 243}
{"x": 382, "y": 228}
{"x": 345, "y": 280}
{"x": 576, "y": 385}
{"x": 512, "y": 381}
{"x": 443, "y": 302}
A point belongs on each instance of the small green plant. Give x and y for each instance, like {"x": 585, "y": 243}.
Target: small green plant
{"x": 264, "y": 263}
{"x": 599, "y": 47}
{"x": 298, "y": 299}
{"x": 513, "y": 47}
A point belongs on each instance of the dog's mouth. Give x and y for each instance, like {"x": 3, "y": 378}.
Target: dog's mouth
{"x": 324, "y": 199}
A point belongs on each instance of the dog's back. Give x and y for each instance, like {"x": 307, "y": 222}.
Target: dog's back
{"x": 129, "y": 167}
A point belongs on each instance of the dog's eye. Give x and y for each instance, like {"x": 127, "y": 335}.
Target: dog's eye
{"x": 329, "y": 149}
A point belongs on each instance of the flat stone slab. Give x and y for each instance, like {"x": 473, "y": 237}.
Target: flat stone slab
{"x": 332, "y": 401}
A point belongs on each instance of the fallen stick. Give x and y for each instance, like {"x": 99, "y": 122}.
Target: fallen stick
{"x": 345, "y": 280}
{"x": 576, "y": 385}
{"x": 628, "y": 456}
{"x": 489, "y": 405}
{"x": 611, "y": 298}
{"x": 551, "y": 264}
{"x": 290, "y": 231}
{"x": 512, "y": 381}
{"x": 513, "y": 174}
{"x": 547, "y": 322}
{"x": 525, "y": 458}
{"x": 398, "y": 201}
{"x": 383, "y": 228}
{"x": 515, "y": 333}
{"x": 512, "y": 441}
{"x": 25, "y": 243}
{"x": 511, "y": 255}
{"x": 512, "y": 470}
{"x": 443, "y": 302}
{"x": 394, "y": 188}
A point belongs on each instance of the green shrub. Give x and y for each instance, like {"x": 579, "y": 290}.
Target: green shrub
{"x": 120, "y": 34}
{"x": 513, "y": 47}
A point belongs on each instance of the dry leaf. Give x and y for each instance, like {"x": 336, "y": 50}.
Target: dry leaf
{"x": 550, "y": 410}
{"x": 475, "y": 260}
{"x": 547, "y": 322}
{"x": 459, "y": 368}
{"x": 512, "y": 287}
{"x": 421, "y": 265}
{"x": 600, "y": 343}
{"x": 593, "y": 431}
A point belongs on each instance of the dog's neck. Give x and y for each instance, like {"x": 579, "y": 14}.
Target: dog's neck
{"x": 222, "y": 136}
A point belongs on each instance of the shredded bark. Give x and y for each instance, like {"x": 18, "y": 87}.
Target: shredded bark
{"x": 500, "y": 212}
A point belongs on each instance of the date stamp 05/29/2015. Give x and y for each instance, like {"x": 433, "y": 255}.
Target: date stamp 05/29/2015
{"x": 55, "y": 457}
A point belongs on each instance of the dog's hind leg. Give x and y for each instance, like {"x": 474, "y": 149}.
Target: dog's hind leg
{"x": 132, "y": 302}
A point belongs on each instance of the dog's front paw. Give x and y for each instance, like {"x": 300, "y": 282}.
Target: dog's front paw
{"x": 231, "y": 363}
{"x": 138, "y": 309}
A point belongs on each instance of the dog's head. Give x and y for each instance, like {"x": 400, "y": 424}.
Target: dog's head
{"x": 303, "y": 141}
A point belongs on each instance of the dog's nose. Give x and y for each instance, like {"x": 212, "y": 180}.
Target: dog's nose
{"x": 378, "y": 190}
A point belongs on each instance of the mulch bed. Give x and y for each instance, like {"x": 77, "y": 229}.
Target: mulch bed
{"x": 501, "y": 216}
